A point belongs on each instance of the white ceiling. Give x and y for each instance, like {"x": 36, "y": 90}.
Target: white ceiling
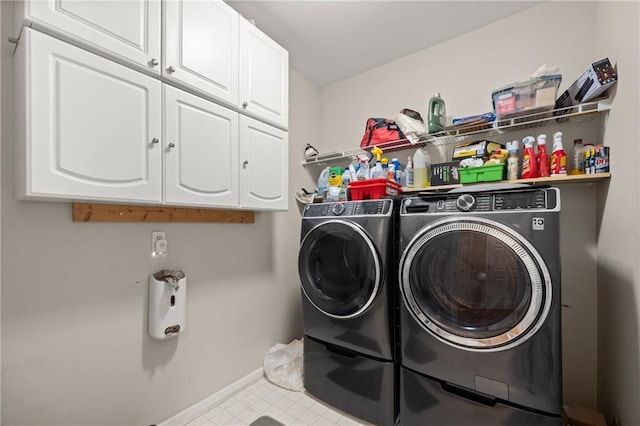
{"x": 331, "y": 40}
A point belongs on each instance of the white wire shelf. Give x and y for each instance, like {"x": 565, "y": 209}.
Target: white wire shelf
{"x": 454, "y": 134}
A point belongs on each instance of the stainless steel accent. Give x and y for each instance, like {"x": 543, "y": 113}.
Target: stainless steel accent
{"x": 153, "y": 62}
{"x": 171, "y": 145}
{"x": 374, "y": 254}
{"x": 155, "y": 140}
{"x": 13, "y": 40}
{"x": 465, "y": 202}
{"x": 536, "y": 312}
{"x": 244, "y": 164}
{"x": 338, "y": 209}
{"x": 171, "y": 70}
{"x": 245, "y": 104}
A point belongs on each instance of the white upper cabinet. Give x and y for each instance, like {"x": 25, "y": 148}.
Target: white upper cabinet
{"x": 264, "y": 75}
{"x": 88, "y": 127}
{"x": 129, "y": 29}
{"x": 264, "y": 158}
{"x": 201, "y": 151}
{"x": 201, "y": 46}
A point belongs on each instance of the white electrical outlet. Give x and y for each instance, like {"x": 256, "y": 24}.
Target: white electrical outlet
{"x": 158, "y": 242}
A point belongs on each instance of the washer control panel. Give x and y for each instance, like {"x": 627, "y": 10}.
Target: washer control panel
{"x": 534, "y": 199}
{"x": 349, "y": 208}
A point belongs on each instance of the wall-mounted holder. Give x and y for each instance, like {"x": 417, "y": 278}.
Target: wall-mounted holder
{"x": 167, "y": 303}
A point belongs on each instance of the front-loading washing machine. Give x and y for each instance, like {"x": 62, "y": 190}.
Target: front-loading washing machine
{"x": 479, "y": 275}
{"x": 347, "y": 268}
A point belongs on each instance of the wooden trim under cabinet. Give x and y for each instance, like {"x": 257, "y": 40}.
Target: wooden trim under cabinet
{"x": 83, "y": 212}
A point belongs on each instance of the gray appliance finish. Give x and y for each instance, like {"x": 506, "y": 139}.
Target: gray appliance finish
{"x": 479, "y": 276}
{"x": 348, "y": 268}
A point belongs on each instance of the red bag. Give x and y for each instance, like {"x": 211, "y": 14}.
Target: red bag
{"x": 382, "y": 132}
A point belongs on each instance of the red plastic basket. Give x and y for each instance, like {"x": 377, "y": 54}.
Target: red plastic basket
{"x": 372, "y": 189}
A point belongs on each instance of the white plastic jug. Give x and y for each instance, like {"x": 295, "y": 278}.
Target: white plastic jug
{"x": 419, "y": 169}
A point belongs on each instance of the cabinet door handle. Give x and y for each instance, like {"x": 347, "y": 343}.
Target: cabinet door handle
{"x": 245, "y": 105}
{"x": 153, "y": 62}
{"x": 244, "y": 164}
{"x": 171, "y": 145}
{"x": 171, "y": 70}
{"x": 154, "y": 141}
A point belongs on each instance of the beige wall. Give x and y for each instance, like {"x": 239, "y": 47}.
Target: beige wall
{"x": 75, "y": 349}
{"x": 617, "y": 36}
{"x": 465, "y": 70}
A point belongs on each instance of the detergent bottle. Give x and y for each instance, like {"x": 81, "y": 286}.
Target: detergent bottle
{"x": 543, "y": 157}
{"x": 323, "y": 181}
{"x": 558, "y": 157}
{"x": 437, "y": 114}
{"x": 529, "y": 161}
{"x": 419, "y": 169}
{"x": 377, "y": 171}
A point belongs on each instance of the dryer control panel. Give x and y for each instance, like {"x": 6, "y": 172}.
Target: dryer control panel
{"x": 535, "y": 199}
{"x": 349, "y": 208}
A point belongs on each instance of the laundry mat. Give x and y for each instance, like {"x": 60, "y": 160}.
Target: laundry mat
{"x": 283, "y": 365}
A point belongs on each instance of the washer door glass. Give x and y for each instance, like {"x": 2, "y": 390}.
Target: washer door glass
{"x": 474, "y": 283}
{"x": 339, "y": 268}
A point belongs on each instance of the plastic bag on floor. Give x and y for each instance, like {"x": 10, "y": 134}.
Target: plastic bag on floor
{"x": 283, "y": 365}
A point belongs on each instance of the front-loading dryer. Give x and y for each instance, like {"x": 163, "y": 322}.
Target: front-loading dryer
{"x": 347, "y": 268}
{"x": 479, "y": 275}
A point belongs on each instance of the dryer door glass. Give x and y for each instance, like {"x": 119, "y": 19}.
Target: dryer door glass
{"x": 474, "y": 284}
{"x": 339, "y": 269}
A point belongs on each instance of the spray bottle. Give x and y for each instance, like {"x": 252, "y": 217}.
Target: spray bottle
{"x": 408, "y": 174}
{"x": 543, "y": 157}
{"x": 377, "y": 171}
{"x": 529, "y": 161}
{"x": 558, "y": 157}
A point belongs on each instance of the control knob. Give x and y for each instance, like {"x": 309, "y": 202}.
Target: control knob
{"x": 465, "y": 202}
{"x": 338, "y": 209}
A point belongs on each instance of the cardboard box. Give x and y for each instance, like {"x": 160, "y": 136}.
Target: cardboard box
{"x": 479, "y": 149}
{"x": 580, "y": 416}
{"x": 445, "y": 173}
{"x": 591, "y": 84}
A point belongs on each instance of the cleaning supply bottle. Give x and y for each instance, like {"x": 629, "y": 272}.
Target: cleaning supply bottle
{"x": 346, "y": 178}
{"x": 427, "y": 168}
{"x": 543, "y": 157}
{"x": 437, "y": 116}
{"x": 578, "y": 158}
{"x": 408, "y": 174}
{"x": 529, "y": 161}
{"x": 323, "y": 181}
{"x": 363, "y": 171}
{"x": 512, "y": 161}
{"x": 419, "y": 169}
{"x": 398, "y": 170}
{"x": 377, "y": 171}
{"x": 558, "y": 157}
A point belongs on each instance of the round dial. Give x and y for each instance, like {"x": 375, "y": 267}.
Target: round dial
{"x": 465, "y": 202}
{"x": 338, "y": 209}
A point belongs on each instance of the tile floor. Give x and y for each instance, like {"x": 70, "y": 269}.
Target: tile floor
{"x": 263, "y": 398}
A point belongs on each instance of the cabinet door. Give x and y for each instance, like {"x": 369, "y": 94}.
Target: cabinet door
{"x": 129, "y": 29}
{"x": 264, "y": 158}
{"x": 201, "y": 151}
{"x": 90, "y": 126}
{"x": 201, "y": 46}
{"x": 264, "y": 75}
